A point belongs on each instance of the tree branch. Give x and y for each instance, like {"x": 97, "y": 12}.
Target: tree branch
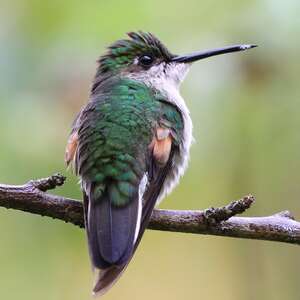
{"x": 280, "y": 227}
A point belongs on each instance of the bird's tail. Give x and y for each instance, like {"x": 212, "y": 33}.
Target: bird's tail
{"x": 106, "y": 278}
{"x": 111, "y": 232}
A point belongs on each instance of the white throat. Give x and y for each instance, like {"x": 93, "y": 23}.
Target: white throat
{"x": 166, "y": 78}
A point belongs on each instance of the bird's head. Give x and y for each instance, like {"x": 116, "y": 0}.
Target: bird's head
{"x": 144, "y": 57}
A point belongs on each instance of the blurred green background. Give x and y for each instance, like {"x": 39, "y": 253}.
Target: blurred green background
{"x": 245, "y": 109}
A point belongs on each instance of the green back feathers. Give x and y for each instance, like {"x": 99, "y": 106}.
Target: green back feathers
{"x": 115, "y": 135}
{"x": 114, "y": 138}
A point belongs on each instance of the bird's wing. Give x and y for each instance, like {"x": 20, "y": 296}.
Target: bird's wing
{"x": 107, "y": 277}
{"x": 165, "y": 144}
{"x": 123, "y": 144}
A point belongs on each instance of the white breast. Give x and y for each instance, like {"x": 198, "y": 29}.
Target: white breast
{"x": 167, "y": 78}
{"x": 180, "y": 159}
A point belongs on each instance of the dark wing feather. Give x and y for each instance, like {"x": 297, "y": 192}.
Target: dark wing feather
{"x": 152, "y": 192}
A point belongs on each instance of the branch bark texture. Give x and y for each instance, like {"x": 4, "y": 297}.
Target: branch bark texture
{"x": 281, "y": 227}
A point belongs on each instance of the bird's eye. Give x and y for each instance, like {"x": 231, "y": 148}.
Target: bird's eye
{"x": 146, "y": 60}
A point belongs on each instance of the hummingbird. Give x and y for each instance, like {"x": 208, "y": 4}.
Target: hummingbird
{"x": 130, "y": 145}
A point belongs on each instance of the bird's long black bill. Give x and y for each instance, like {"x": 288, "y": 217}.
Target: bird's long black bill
{"x": 189, "y": 58}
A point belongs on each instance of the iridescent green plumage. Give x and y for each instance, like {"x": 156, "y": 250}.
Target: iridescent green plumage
{"x": 117, "y": 129}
